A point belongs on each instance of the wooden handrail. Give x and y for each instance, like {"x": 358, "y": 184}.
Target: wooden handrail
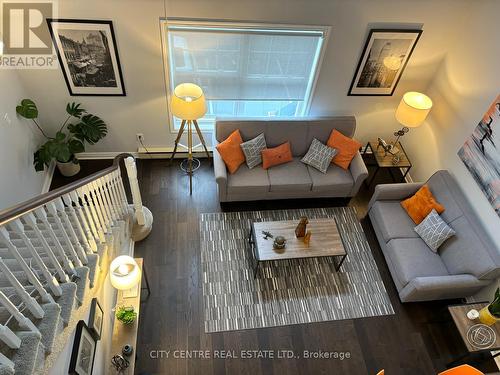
{"x": 20, "y": 209}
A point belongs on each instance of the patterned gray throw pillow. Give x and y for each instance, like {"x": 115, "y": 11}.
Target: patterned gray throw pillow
{"x": 319, "y": 156}
{"x": 434, "y": 231}
{"x": 252, "y": 150}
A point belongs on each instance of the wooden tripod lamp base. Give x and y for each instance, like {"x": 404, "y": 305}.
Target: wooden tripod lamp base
{"x": 188, "y": 103}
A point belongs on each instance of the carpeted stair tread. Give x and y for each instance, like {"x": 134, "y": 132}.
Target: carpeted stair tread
{"x": 81, "y": 283}
{"x": 93, "y": 267}
{"x": 48, "y": 325}
{"x": 24, "y": 358}
{"x": 67, "y": 301}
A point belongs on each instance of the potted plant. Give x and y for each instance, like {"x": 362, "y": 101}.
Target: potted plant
{"x": 78, "y": 128}
{"x": 490, "y": 314}
{"x": 126, "y": 314}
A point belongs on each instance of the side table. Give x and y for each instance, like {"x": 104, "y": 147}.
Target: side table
{"x": 385, "y": 160}
{"x": 463, "y": 324}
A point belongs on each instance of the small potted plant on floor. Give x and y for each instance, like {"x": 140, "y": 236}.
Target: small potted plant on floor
{"x": 490, "y": 314}
{"x": 80, "y": 127}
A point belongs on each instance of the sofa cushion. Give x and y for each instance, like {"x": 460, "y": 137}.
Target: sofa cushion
{"x": 279, "y": 132}
{"x": 292, "y": 176}
{"x": 247, "y": 180}
{"x": 446, "y": 191}
{"x": 346, "y": 148}
{"x": 276, "y": 155}
{"x": 392, "y": 220}
{"x": 434, "y": 231}
{"x": 421, "y": 204}
{"x": 319, "y": 156}
{"x": 411, "y": 257}
{"x": 335, "y": 178}
{"x": 231, "y": 152}
{"x": 252, "y": 150}
{"x": 464, "y": 252}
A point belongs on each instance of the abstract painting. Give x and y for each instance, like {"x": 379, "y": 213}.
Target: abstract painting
{"x": 481, "y": 154}
{"x": 383, "y": 61}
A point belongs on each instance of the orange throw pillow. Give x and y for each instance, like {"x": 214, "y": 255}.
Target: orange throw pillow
{"x": 421, "y": 204}
{"x": 231, "y": 152}
{"x": 346, "y": 148}
{"x": 276, "y": 156}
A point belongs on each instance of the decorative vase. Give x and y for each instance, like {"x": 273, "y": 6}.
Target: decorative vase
{"x": 486, "y": 317}
{"x": 68, "y": 169}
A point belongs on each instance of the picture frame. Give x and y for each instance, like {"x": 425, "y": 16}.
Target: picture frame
{"x": 88, "y": 56}
{"x": 96, "y": 319}
{"x": 384, "y": 58}
{"x": 83, "y": 354}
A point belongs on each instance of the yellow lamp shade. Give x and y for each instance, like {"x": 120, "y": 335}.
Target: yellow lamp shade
{"x": 413, "y": 109}
{"x": 124, "y": 272}
{"x": 188, "y": 102}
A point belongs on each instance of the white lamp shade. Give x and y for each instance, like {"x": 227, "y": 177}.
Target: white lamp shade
{"x": 124, "y": 272}
{"x": 413, "y": 109}
{"x": 188, "y": 102}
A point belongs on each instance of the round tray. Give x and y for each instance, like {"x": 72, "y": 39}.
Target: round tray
{"x": 481, "y": 336}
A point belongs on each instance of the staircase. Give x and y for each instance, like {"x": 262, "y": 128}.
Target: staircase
{"x": 55, "y": 251}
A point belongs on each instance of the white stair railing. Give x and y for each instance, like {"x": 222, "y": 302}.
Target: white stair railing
{"x": 46, "y": 237}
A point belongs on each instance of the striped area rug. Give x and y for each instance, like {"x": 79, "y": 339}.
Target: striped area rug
{"x": 289, "y": 291}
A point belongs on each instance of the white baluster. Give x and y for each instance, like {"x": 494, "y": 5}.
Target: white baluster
{"x": 93, "y": 202}
{"x": 121, "y": 190}
{"x": 57, "y": 207}
{"x": 31, "y": 222}
{"x": 5, "y": 238}
{"x": 81, "y": 224}
{"x": 13, "y": 310}
{"x": 91, "y": 216}
{"x": 70, "y": 250}
{"x": 104, "y": 205}
{"x": 112, "y": 198}
{"x": 122, "y": 206}
{"x": 105, "y": 192}
{"x": 31, "y": 303}
{"x": 42, "y": 215}
{"x": 54, "y": 286}
{"x": 9, "y": 337}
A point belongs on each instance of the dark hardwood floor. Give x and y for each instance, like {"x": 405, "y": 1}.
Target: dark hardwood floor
{"x": 419, "y": 339}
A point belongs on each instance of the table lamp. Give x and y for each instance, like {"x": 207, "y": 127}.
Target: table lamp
{"x": 411, "y": 112}
{"x": 188, "y": 104}
{"x": 125, "y": 275}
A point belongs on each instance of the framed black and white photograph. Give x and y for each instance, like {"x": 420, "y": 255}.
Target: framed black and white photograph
{"x": 82, "y": 356}
{"x": 96, "y": 318}
{"x": 88, "y": 56}
{"x": 383, "y": 61}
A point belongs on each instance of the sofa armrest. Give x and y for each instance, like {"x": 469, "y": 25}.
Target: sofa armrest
{"x": 441, "y": 287}
{"x": 220, "y": 172}
{"x": 358, "y": 171}
{"x": 394, "y": 192}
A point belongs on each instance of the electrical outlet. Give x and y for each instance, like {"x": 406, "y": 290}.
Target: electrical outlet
{"x": 139, "y": 137}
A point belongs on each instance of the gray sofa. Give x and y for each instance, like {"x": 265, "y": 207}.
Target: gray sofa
{"x": 293, "y": 179}
{"x": 463, "y": 265}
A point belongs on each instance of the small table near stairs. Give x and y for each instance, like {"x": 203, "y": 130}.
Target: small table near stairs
{"x": 127, "y": 334}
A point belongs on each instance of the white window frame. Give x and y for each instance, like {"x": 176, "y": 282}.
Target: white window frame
{"x": 289, "y": 28}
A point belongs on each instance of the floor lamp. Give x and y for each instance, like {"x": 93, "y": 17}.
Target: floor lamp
{"x": 188, "y": 104}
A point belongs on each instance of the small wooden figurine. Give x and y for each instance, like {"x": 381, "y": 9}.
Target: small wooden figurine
{"x": 307, "y": 237}
{"x": 300, "y": 231}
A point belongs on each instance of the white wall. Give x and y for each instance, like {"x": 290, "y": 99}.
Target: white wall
{"x": 465, "y": 85}
{"x": 18, "y": 141}
{"x": 138, "y": 36}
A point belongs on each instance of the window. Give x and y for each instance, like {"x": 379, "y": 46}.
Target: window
{"x": 245, "y": 70}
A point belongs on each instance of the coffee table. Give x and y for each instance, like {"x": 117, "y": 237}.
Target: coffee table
{"x": 326, "y": 241}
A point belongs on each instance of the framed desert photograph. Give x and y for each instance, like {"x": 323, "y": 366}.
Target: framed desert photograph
{"x": 82, "y": 356}
{"x": 383, "y": 61}
{"x": 96, "y": 318}
{"x": 88, "y": 56}
{"x": 481, "y": 154}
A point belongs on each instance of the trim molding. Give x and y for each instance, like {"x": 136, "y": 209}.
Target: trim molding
{"x": 141, "y": 153}
{"x": 49, "y": 173}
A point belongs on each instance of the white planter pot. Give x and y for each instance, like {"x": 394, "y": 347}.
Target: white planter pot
{"x": 68, "y": 169}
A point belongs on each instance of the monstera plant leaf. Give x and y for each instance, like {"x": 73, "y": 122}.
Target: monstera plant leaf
{"x": 90, "y": 129}
{"x": 73, "y": 109}
{"x": 27, "y": 109}
{"x": 75, "y": 146}
{"x": 42, "y": 158}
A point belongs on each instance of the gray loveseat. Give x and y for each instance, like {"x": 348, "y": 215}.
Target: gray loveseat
{"x": 463, "y": 265}
{"x": 290, "y": 180}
